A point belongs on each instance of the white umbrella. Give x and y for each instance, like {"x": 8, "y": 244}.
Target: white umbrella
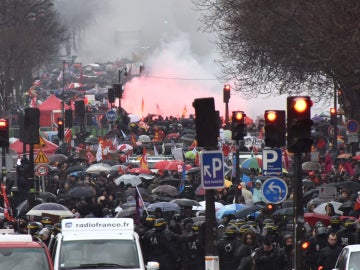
{"x": 134, "y": 118}
{"x": 98, "y": 168}
{"x": 320, "y": 209}
{"x": 125, "y": 148}
{"x": 144, "y": 139}
{"x": 202, "y": 206}
{"x": 50, "y": 208}
{"x": 131, "y": 179}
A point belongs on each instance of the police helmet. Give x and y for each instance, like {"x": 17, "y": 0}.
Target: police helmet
{"x": 244, "y": 228}
{"x": 196, "y": 226}
{"x": 34, "y": 227}
{"x": 349, "y": 223}
{"x": 271, "y": 228}
{"x": 57, "y": 228}
{"x": 239, "y": 222}
{"x": 46, "y": 220}
{"x": 321, "y": 230}
{"x": 335, "y": 220}
{"x": 268, "y": 221}
{"x": 231, "y": 230}
{"x": 160, "y": 224}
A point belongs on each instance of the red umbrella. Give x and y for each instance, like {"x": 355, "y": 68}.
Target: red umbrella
{"x": 312, "y": 218}
{"x": 139, "y": 171}
{"x": 177, "y": 166}
{"x": 172, "y": 136}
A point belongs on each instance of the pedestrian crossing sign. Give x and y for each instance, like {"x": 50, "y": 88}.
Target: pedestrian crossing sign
{"x": 41, "y": 157}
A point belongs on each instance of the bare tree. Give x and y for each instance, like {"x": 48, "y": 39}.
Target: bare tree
{"x": 30, "y": 36}
{"x": 273, "y": 47}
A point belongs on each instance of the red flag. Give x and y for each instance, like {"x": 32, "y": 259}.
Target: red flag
{"x": 142, "y": 105}
{"x": 357, "y": 203}
{"x": 286, "y": 159}
{"x": 197, "y": 159}
{"x": 68, "y": 135}
{"x": 143, "y": 160}
{"x": 7, "y": 209}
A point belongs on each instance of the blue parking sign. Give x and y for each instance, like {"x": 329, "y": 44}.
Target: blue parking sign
{"x": 212, "y": 169}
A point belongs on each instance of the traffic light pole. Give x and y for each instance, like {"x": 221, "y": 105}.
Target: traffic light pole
{"x": 298, "y": 212}
{"x": 237, "y": 171}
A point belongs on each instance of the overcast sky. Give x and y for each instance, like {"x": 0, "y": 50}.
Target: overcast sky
{"x": 181, "y": 64}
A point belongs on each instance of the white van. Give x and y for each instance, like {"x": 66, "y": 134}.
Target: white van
{"x": 97, "y": 243}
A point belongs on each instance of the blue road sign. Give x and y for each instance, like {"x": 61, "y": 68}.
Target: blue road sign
{"x": 272, "y": 162}
{"x": 274, "y": 190}
{"x": 352, "y": 126}
{"x": 111, "y": 115}
{"x": 212, "y": 169}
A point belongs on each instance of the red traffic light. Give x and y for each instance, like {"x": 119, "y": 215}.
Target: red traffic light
{"x": 305, "y": 245}
{"x": 3, "y": 123}
{"x": 227, "y": 87}
{"x": 270, "y": 116}
{"x": 270, "y": 207}
{"x": 60, "y": 122}
{"x": 301, "y": 104}
{"x": 239, "y": 116}
{"x": 332, "y": 111}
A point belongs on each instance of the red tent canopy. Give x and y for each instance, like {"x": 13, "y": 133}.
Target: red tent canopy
{"x": 50, "y": 107}
{"x": 48, "y": 147}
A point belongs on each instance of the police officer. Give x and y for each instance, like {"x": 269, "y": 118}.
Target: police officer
{"x": 162, "y": 246}
{"x": 228, "y": 245}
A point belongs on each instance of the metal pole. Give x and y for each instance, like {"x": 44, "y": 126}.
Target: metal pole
{"x": 237, "y": 172}
{"x": 298, "y": 212}
{"x": 335, "y": 122}
{"x": 226, "y": 113}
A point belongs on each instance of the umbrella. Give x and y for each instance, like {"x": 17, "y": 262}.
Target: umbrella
{"x": 144, "y": 139}
{"x": 287, "y": 211}
{"x": 316, "y": 201}
{"x": 47, "y": 196}
{"x": 82, "y": 192}
{"x": 98, "y": 168}
{"x": 134, "y": 118}
{"x": 229, "y": 209}
{"x": 190, "y": 155}
{"x": 146, "y": 176}
{"x": 311, "y": 166}
{"x": 308, "y": 183}
{"x": 320, "y": 209}
{"x": 193, "y": 170}
{"x": 127, "y": 179}
{"x": 57, "y": 158}
{"x": 349, "y": 185}
{"x": 139, "y": 171}
{"x": 127, "y": 212}
{"x": 166, "y": 190}
{"x": 166, "y": 164}
{"x": 118, "y": 169}
{"x": 253, "y": 162}
{"x": 76, "y": 168}
{"x": 248, "y": 210}
{"x": 74, "y": 85}
{"x": 344, "y": 156}
{"x": 126, "y": 148}
{"x": 50, "y": 208}
{"x": 131, "y": 192}
{"x": 177, "y": 166}
{"x": 185, "y": 202}
{"x": 23, "y": 207}
{"x": 312, "y": 218}
{"x": 172, "y": 136}
{"x": 51, "y": 169}
{"x": 202, "y": 206}
{"x": 308, "y": 195}
{"x": 346, "y": 206}
{"x": 170, "y": 181}
{"x": 164, "y": 206}
{"x": 356, "y": 157}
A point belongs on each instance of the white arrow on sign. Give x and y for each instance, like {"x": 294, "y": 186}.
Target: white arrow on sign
{"x": 216, "y": 166}
{"x": 272, "y": 187}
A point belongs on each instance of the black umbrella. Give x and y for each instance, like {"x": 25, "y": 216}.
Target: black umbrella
{"x": 185, "y": 202}
{"x": 194, "y": 170}
{"x": 82, "y": 192}
{"x": 57, "y": 158}
{"x": 248, "y": 210}
{"x": 288, "y": 211}
{"x": 308, "y": 195}
{"x": 166, "y": 190}
{"x": 128, "y": 212}
{"x": 170, "y": 181}
{"x": 76, "y": 168}
{"x": 47, "y": 196}
{"x": 349, "y": 185}
{"x": 346, "y": 206}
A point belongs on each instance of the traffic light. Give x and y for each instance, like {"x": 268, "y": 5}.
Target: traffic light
{"x": 226, "y": 93}
{"x": 274, "y": 128}
{"x": 60, "y": 127}
{"x": 206, "y": 122}
{"x": 333, "y": 116}
{"x": 31, "y": 126}
{"x": 118, "y": 91}
{"x": 4, "y": 133}
{"x": 299, "y": 124}
{"x": 68, "y": 118}
{"x": 238, "y": 126}
{"x": 111, "y": 95}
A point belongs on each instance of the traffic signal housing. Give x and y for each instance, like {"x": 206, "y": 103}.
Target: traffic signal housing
{"x": 238, "y": 126}
{"x": 275, "y": 129}
{"x": 206, "y": 122}
{"x": 226, "y": 93}
{"x": 111, "y": 95}
{"x": 118, "y": 91}
{"x": 4, "y": 133}
{"x": 333, "y": 116}
{"x": 299, "y": 124}
{"x": 60, "y": 127}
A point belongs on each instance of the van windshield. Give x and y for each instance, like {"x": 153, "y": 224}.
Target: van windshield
{"x": 78, "y": 254}
{"x": 23, "y": 258}
{"x": 354, "y": 261}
